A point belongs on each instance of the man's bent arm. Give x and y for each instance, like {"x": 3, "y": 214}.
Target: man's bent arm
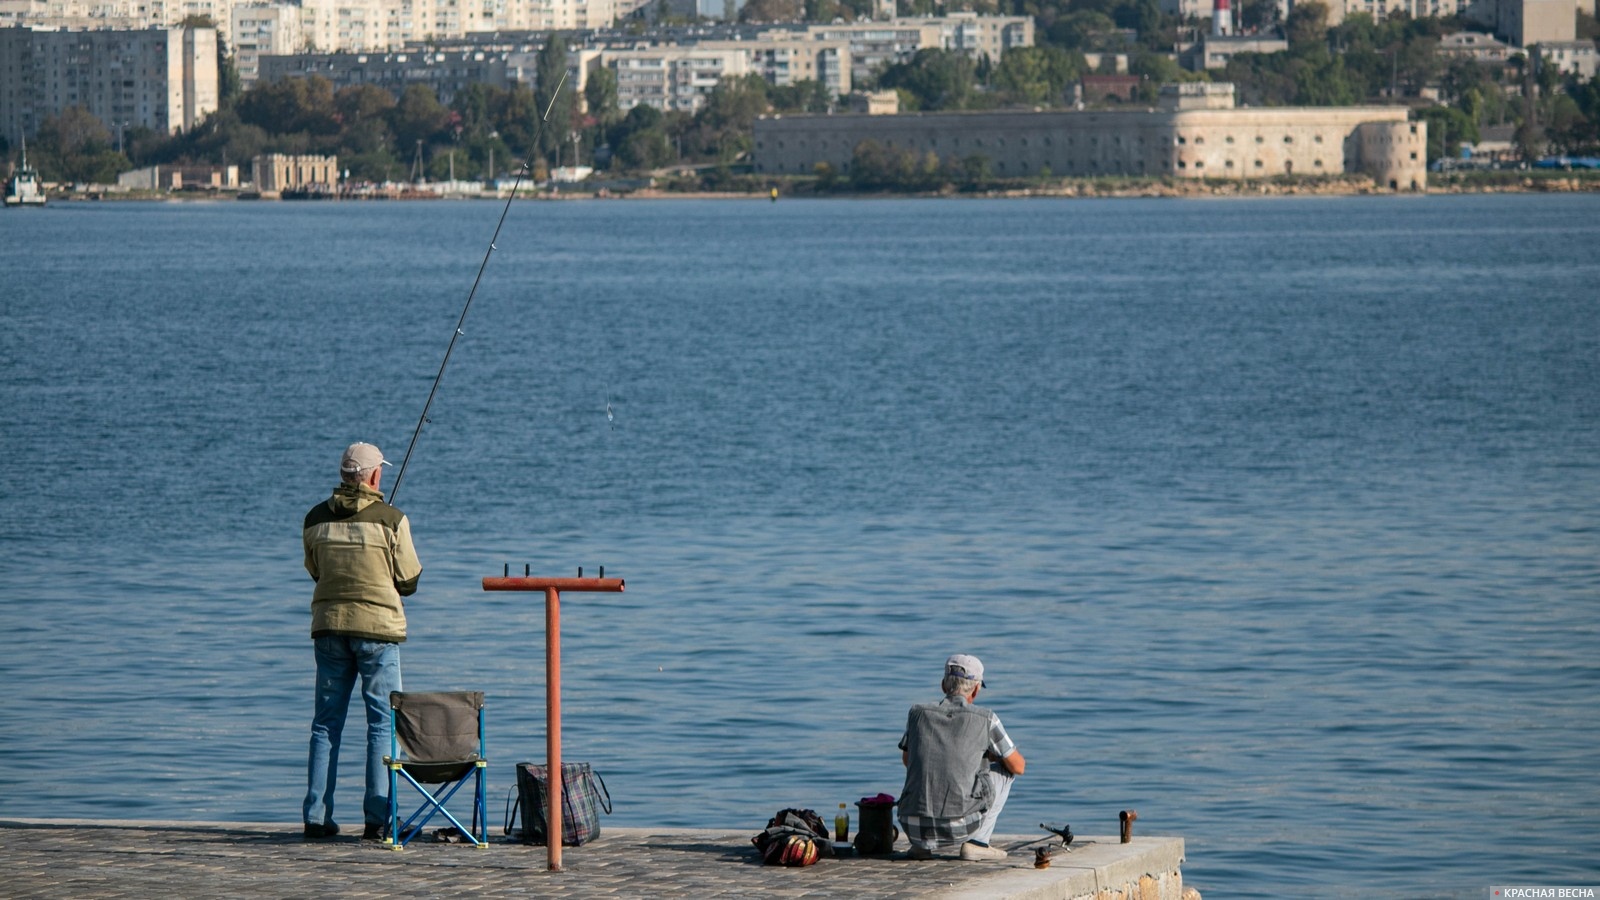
{"x": 1014, "y": 763}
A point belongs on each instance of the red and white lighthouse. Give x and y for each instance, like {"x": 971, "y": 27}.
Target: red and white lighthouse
{"x": 1221, "y": 18}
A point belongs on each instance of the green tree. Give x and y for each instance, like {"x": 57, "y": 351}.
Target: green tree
{"x": 874, "y": 166}
{"x": 1448, "y": 128}
{"x": 1034, "y": 76}
{"x": 973, "y": 171}
{"x": 600, "y": 95}
{"x": 1307, "y": 25}
{"x": 473, "y": 110}
{"x": 647, "y": 148}
{"x": 1588, "y": 29}
{"x": 1083, "y": 29}
{"x": 291, "y": 105}
{"x": 761, "y": 11}
{"x": 418, "y": 116}
{"x": 553, "y": 95}
{"x": 935, "y": 79}
{"x": 805, "y": 96}
{"x": 1258, "y": 15}
{"x": 364, "y": 112}
{"x": 75, "y": 146}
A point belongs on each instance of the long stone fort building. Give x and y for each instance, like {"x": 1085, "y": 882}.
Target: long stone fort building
{"x": 1196, "y": 132}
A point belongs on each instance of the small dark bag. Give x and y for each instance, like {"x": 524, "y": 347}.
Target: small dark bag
{"x": 583, "y": 795}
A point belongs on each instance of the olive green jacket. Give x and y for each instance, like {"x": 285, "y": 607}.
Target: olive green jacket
{"x": 358, "y": 551}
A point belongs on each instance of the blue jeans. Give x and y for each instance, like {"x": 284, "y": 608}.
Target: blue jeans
{"x": 339, "y": 661}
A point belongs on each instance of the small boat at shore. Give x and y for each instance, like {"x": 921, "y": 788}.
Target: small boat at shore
{"x": 23, "y": 187}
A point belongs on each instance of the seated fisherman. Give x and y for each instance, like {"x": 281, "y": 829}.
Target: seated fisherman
{"x": 959, "y": 765}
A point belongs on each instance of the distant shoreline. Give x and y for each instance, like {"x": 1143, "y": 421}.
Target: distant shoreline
{"x": 1516, "y": 183}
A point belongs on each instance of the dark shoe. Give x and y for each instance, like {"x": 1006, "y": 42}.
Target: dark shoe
{"x": 375, "y": 832}
{"x": 316, "y": 832}
{"x": 920, "y": 852}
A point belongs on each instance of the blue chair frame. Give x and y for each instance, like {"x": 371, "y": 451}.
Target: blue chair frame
{"x": 449, "y": 760}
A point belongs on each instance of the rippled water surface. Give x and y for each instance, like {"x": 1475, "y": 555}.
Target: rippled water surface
{"x": 1274, "y": 520}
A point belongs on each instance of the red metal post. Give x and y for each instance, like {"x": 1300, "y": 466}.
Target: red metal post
{"x": 552, "y": 588}
{"x": 552, "y": 713}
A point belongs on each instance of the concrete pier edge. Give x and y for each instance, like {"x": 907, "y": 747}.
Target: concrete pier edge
{"x": 160, "y": 859}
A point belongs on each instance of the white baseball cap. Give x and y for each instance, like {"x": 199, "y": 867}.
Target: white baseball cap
{"x": 965, "y": 666}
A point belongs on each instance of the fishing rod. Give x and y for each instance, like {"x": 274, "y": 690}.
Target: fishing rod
{"x": 524, "y": 168}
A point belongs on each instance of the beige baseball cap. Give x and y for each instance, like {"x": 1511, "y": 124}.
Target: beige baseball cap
{"x": 965, "y": 666}
{"x": 360, "y": 457}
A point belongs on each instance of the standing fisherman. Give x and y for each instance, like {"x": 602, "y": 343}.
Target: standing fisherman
{"x": 358, "y": 551}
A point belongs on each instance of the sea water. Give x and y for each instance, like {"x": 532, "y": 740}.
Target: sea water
{"x": 1274, "y": 520}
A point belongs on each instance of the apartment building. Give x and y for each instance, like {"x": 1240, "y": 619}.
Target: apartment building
{"x": 874, "y": 44}
{"x": 671, "y": 77}
{"x": 164, "y": 79}
{"x": 1523, "y": 23}
{"x": 785, "y": 57}
{"x": 447, "y": 72}
{"x": 86, "y": 15}
{"x": 1580, "y": 58}
{"x": 262, "y": 29}
{"x": 1380, "y": 10}
{"x": 326, "y": 26}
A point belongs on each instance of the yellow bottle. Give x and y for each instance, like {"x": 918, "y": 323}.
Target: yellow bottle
{"x": 841, "y": 825}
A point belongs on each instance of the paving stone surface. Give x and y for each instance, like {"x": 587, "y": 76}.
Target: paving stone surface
{"x": 184, "y": 861}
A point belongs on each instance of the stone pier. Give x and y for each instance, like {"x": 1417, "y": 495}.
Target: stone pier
{"x": 190, "y": 860}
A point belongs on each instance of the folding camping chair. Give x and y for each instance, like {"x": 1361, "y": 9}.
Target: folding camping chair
{"x": 436, "y": 739}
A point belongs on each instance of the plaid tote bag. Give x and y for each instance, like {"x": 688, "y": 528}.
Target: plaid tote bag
{"x": 583, "y": 796}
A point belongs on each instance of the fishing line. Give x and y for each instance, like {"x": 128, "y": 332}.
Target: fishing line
{"x": 525, "y": 168}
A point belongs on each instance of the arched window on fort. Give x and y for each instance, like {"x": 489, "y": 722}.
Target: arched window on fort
{"x": 1260, "y": 139}
{"x": 1317, "y": 139}
{"x": 1182, "y": 139}
{"x": 1199, "y": 140}
{"x": 1228, "y": 164}
{"x": 1288, "y": 139}
{"x": 1317, "y": 163}
{"x": 1229, "y": 139}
